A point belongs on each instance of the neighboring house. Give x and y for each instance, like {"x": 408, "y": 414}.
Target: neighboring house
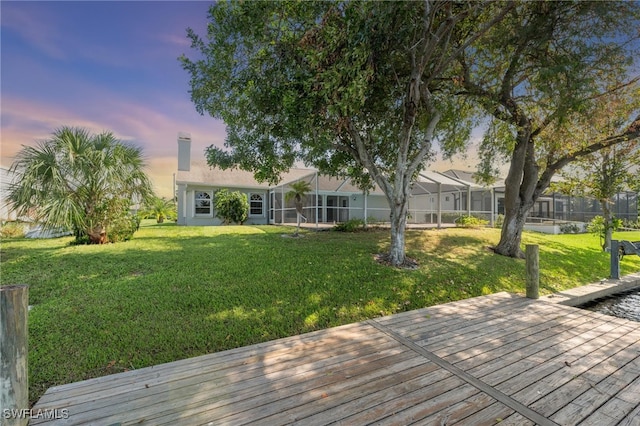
{"x": 6, "y": 212}
{"x": 436, "y": 198}
{"x": 563, "y": 207}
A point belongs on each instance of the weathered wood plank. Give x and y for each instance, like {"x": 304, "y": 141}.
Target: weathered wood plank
{"x": 460, "y": 340}
{"x": 297, "y": 346}
{"x": 563, "y": 396}
{"x": 491, "y": 415}
{"x": 502, "y": 346}
{"x": 495, "y": 373}
{"x": 373, "y": 399}
{"x": 478, "y": 328}
{"x": 435, "y": 322}
{"x": 632, "y": 419}
{"x": 232, "y": 386}
{"x": 611, "y": 413}
{"x": 452, "y": 312}
{"x": 548, "y": 363}
{"x": 246, "y": 370}
{"x": 206, "y": 390}
{"x": 305, "y": 392}
{"x": 611, "y": 345}
{"x": 459, "y": 412}
{"x": 598, "y": 394}
{"x": 516, "y": 419}
{"x": 426, "y": 406}
{"x": 513, "y": 345}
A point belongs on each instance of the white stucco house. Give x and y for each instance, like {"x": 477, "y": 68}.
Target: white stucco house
{"x": 436, "y": 198}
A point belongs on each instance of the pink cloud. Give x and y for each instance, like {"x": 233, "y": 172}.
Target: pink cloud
{"x": 24, "y": 122}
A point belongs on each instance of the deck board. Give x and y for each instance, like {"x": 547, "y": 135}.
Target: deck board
{"x": 498, "y": 358}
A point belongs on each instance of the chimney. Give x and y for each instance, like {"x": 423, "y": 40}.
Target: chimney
{"x": 184, "y": 151}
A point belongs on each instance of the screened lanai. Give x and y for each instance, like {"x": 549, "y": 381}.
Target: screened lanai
{"x": 436, "y": 199}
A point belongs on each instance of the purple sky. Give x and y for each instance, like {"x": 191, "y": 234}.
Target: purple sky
{"x": 104, "y": 65}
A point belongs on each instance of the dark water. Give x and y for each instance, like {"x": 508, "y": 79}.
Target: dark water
{"x": 623, "y": 305}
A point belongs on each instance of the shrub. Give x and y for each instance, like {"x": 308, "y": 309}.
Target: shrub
{"x": 630, "y": 224}
{"x": 352, "y": 225}
{"x": 470, "y": 222}
{"x": 499, "y": 221}
{"x": 570, "y": 228}
{"x": 231, "y": 207}
{"x": 123, "y": 227}
{"x": 13, "y": 229}
{"x": 598, "y": 227}
{"x": 111, "y": 221}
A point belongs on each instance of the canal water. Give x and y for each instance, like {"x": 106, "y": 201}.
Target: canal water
{"x": 623, "y": 305}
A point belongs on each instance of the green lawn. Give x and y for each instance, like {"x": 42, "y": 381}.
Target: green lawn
{"x": 177, "y": 292}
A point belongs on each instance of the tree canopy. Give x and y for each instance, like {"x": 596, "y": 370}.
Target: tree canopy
{"x": 355, "y": 89}
{"x": 539, "y": 74}
{"x": 370, "y": 89}
{"x": 80, "y": 181}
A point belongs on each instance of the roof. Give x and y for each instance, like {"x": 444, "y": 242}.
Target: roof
{"x": 201, "y": 173}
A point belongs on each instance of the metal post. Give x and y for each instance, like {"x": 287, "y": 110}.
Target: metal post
{"x": 439, "y": 205}
{"x": 533, "y": 271}
{"x": 14, "y": 392}
{"x": 615, "y": 260}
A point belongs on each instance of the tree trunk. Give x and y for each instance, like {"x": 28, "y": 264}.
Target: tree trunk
{"x": 608, "y": 225}
{"x": 398, "y": 218}
{"x": 97, "y": 235}
{"x": 511, "y": 235}
{"x": 521, "y": 191}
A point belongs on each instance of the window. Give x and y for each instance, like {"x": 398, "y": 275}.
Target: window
{"x": 256, "y": 204}
{"x": 203, "y": 203}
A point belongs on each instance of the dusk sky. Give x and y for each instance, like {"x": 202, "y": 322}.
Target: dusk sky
{"x": 103, "y": 65}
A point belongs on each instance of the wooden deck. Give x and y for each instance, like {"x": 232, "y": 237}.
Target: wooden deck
{"x": 500, "y": 358}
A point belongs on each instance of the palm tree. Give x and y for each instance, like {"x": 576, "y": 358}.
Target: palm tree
{"x": 160, "y": 209}
{"x": 297, "y": 193}
{"x": 79, "y": 181}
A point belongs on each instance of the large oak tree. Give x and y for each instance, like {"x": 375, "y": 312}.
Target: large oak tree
{"x": 358, "y": 89}
{"x": 538, "y": 72}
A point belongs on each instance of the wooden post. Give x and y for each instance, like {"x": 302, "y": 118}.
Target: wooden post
{"x": 14, "y": 392}
{"x": 533, "y": 271}
{"x": 614, "y": 249}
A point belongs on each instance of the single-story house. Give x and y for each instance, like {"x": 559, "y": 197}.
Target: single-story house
{"x": 436, "y": 198}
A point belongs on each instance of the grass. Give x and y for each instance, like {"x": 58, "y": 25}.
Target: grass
{"x": 176, "y": 292}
